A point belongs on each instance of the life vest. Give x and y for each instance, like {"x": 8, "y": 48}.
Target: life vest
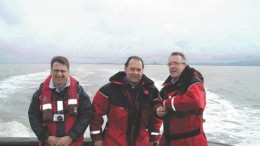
{"x": 49, "y": 107}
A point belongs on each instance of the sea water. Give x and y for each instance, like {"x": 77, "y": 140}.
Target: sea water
{"x": 232, "y": 112}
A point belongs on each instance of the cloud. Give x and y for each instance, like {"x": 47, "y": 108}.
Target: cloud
{"x": 109, "y": 30}
{"x": 7, "y": 15}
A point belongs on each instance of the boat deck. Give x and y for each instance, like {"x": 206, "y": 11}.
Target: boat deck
{"x": 32, "y": 141}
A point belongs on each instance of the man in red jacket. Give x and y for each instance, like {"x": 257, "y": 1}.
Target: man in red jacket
{"x": 184, "y": 100}
{"x": 128, "y": 101}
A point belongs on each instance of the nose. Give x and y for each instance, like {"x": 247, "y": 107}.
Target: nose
{"x": 135, "y": 72}
{"x": 172, "y": 65}
{"x": 59, "y": 73}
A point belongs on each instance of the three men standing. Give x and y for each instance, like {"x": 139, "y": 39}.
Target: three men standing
{"x": 60, "y": 110}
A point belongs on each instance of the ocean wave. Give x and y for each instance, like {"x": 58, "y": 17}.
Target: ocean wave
{"x": 14, "y": 129}
{"x": 230, "y": 123}
{"x": 14, "y": 84}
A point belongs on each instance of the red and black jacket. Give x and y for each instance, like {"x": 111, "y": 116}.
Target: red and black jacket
{"x": 129, "y": 112}
{"x": 185, "y": 101}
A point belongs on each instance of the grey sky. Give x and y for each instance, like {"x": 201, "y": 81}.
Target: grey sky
{"x": 111, "y": 30}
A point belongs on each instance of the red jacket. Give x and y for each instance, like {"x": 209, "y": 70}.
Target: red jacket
{"x": 128, "y": 118}
{"x": 185, "y": 101}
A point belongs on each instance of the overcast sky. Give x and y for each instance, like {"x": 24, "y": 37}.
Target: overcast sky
{"x": 110, "y": 30}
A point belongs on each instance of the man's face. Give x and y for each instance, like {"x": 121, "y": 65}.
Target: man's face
{"x": 176, "y": 66}
{"x": 59, "y": 73}
{"x": 134, "y": 71}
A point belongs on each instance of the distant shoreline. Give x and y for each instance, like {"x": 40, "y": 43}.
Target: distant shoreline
{"x": 202, "y": 64}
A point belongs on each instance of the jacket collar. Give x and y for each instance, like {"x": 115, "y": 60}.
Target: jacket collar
{"x": 118, "y": 78}
{"x": 59, "y": 89}
{"x": 185, "y": 75}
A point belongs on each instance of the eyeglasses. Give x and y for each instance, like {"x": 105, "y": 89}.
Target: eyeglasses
{"x": 175, "y": 63}
{"x": 57, "y": 71}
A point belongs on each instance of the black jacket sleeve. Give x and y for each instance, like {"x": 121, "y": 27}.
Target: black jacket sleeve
{"x": 35, "y": 118}
{"x": 84, "y": 115}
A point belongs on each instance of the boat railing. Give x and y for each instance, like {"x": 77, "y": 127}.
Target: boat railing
{"x": 33, "y": 141}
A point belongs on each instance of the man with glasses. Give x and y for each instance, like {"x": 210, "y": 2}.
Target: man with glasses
{"x": 128, "y": 101}
{"x": 183, "y": 102}
{"x": 60, "y": 110}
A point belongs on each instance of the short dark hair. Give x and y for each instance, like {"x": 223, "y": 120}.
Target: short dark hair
{"x": 61, "y": 60}
{"x": 135, "y": 58}
{"x": 180, "y": 54}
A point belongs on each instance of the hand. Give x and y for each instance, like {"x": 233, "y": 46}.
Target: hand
{"x": 98, "y": 143}
{"x": 52, "y": 140}
{"x": 64, "y": 141}
{"x": 161, "y": 111}
{"x": 155, "y": 143}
